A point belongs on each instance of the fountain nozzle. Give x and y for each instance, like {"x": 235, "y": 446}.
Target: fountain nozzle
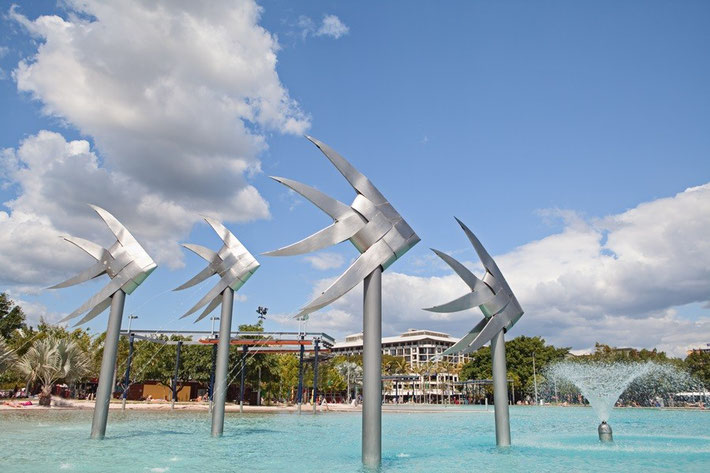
{"x": 605, "y": 432}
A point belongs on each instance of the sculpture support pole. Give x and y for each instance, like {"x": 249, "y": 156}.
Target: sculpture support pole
{"x": 108, "y": 364}
{"x": 500, "y": 390}
{"x": 220, "y": 382}
{"x": 127, "y": 380}
{"x": 300, "y": 375}
{"x": 372, "y": 370}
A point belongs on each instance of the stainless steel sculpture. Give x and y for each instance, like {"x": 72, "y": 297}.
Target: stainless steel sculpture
{"x": 235, "y": 265}
{"x": 128, "y": 265}
{"x": 501, "y": 311}
{"x": 382, "y": 236}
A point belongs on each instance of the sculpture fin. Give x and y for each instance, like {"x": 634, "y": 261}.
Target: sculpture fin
{"x": 93, "y": 271}
{"x": 212, "y": 305}
{"x": 201, "y": 251}
{"x": 107, "y": 291}
{"x": 492, "y": 327}
{"x": 468, "y": 277}
{"x": 356, "y": 179}
{"x": 198, "y": 278}
{"x": 100, "y": 307}
{"x": 227, "y": 237}
{"x": 335, "y": 233}
{"x": 215, "y": 291}
{"x": 336, "y": 209}
{"x": 466, "y": 340}
{"x": 467, "y": 301}
{"x": 375, "y": 256}
{"x": 485, "y": 258}
{"x": 122, "y": 234}
{"x": 94, "y": 250}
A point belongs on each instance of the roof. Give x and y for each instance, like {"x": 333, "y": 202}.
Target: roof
{"x": 411, "y": 335}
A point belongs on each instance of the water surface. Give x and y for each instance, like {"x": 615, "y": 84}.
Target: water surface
{"x": 545, "y": 439}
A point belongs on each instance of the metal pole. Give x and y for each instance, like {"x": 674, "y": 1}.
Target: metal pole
{"x": 348, "y": 397}
{"x": 220, "y": 380}
{"x": 500, "y": 390}
{"x": 315, "y": 374}
{"x": 241, "y": 386}
{"x": 211, "y": 386}
{"x": 177, "y": 372}
{"x": 535, "y": 378}
{"x": 258, "y": 388}
{"x": 108, "y": 363}
{"x": 372, "y": 370}
{"x": 127, "y": 379}
{"x": 300, "y": 376}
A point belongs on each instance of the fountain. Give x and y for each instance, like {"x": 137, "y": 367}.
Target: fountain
{"x": 603, "y": 383}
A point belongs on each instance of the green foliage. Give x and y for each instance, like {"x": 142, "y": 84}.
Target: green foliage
{"x": 52, "y": 359}
{"x": 8, "y": 358}
{"x": 698, "y": 363}
{"x": 12, "y": 317}
{"x": 519, "y": 359}
{"x": 608, "y": 353}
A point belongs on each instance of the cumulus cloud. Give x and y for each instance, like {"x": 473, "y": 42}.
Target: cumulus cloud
{"x": 177, "y": 97}
{"x": 618, "y": 279}
{"x": 330, "y": 26}
{"x": 325, "y": 260}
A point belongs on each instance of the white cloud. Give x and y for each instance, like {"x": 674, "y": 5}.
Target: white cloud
{"x": 330, "y": 26}
{"x": 616, "y": 280}
{"x": 325, "y": 260}
{"x": 333, "y": 27}
{"x": 178, "y": 99}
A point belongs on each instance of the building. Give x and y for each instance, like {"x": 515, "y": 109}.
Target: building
{"x": 705, "y": 349}
{"x": 418, "y": 348}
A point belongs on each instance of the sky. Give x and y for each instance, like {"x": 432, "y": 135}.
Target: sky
{"x": 571, "y": 137}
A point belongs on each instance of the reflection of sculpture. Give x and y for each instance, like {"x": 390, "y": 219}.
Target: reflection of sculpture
{"x": 370, "y": 223}
{"x": 234, "y": 264}
{"x": 128, "y": 265}
{"x": 501, "y": 311}
{"x": 382, "y": 236}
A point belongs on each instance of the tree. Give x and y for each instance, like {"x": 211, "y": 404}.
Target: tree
{"x": 12, "y": 317}
{"x": 518, "y": 355}
{"x": 7, "y": 356}
{"x": 53, "y": 359}
{"x": 698, "y": 363}
{"x": 350, "y": 372}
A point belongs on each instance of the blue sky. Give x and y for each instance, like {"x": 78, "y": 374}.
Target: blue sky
{"x": 565, "y": 134}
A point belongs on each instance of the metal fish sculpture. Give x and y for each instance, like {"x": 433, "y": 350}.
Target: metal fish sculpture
{"x": 492, "y": 294}
{"x": 232, "y": 262}
{"x": 376, "y": 229}
{"x": 125, "y": 262}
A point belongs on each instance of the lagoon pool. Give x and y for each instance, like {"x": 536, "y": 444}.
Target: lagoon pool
{"x": 452, "y": 439}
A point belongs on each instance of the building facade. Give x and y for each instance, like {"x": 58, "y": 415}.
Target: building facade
{"x": 436, "y": 379}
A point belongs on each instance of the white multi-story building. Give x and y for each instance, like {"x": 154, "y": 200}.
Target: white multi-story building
{"x": 418, "y": 348}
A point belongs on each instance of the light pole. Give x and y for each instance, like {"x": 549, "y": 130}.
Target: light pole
{"x": 534, "y": 377}
{"x": 130, "y": 319}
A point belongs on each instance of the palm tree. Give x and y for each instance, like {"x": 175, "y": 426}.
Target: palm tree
{"x": 7, "y": 356}
{"x": 50, "y": 360}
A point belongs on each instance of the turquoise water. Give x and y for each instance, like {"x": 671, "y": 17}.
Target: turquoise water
{"x": 545, "y": 439}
